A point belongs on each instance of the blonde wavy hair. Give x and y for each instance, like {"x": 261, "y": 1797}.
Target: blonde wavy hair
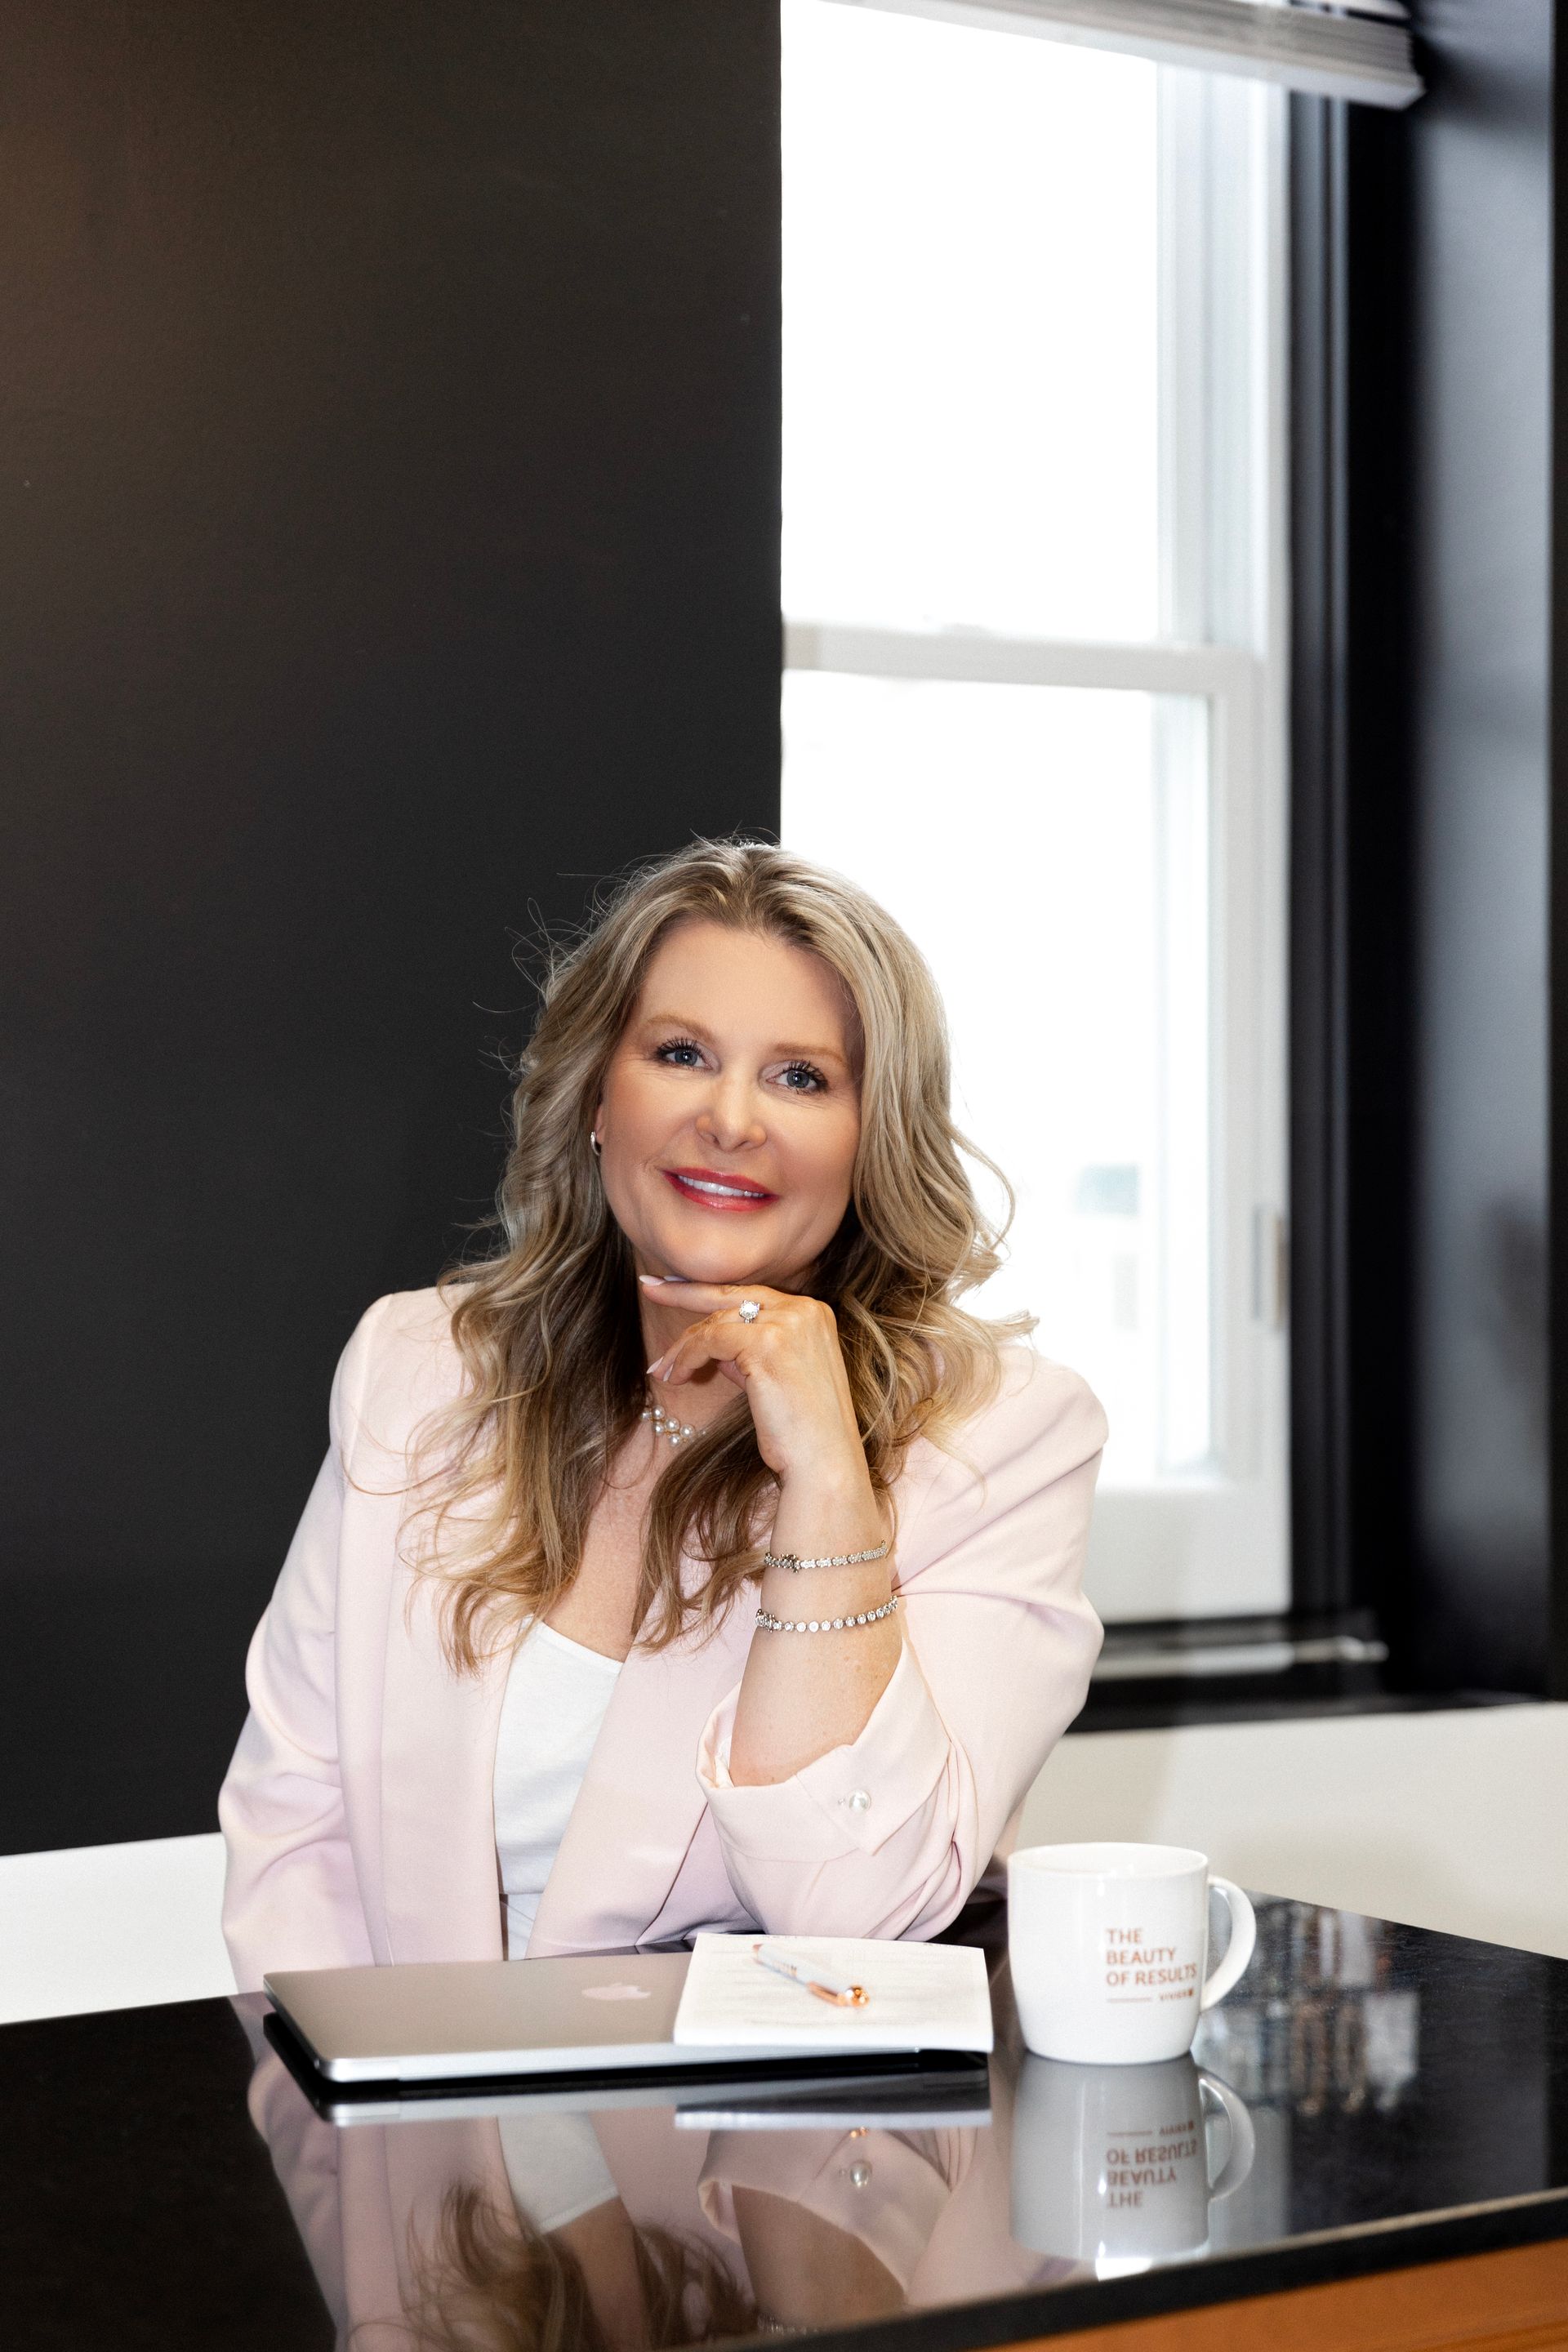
{"x": 547, "y": 1326}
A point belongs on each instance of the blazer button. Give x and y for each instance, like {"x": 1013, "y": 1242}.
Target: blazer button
{"x": 859, "y": 1800}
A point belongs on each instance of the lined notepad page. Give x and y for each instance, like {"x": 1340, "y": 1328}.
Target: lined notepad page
{"x": 921, "y": 1995}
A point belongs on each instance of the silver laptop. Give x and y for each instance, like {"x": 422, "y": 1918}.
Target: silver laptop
{"x": 453, "y": 2021}
{"x": 921, "y": 2095}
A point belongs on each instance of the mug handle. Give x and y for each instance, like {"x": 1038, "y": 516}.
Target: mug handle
{"x": 1243, "y": 1937}
{"x": 1243, "y": 2138}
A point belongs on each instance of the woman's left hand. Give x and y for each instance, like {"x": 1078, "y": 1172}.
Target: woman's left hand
{"x": 789, "y": 1362}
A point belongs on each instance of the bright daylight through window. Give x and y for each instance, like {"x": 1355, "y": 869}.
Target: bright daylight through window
{"x": 1034, "y": 700}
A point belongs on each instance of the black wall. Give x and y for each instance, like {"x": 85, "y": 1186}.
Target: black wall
{"x": 1447, "y": 654}
{"x": 388, "y": 551}
{"x": 1481, "y": 652}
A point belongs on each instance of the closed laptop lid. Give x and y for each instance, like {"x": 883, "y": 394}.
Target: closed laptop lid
{"x": 447, "y": 2020}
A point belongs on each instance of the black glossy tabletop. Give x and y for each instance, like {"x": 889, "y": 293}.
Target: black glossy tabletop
{"x": 1370, "y": 2096}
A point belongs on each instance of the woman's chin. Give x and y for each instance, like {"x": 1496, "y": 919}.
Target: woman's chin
{"x": 712, "y": 1266}
{"x": 703, "y": 1258}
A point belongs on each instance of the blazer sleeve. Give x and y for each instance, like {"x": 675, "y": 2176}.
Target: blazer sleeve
{"x": 291, "y": 1895}
{"x": 888, "y": 1836}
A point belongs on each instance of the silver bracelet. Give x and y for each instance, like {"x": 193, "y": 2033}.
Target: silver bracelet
{"x": 794, "y": 1562}
{"x": 772, "y": 1624}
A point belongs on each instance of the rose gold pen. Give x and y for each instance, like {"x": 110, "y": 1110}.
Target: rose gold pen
{"x": 842, "y": 1996}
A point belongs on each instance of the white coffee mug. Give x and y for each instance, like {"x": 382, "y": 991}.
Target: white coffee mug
{"x": 1111, "y": 2163}
{"x": 1110, "y": 1950}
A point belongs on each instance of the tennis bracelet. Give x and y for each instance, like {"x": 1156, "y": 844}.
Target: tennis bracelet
{"x": 772, "y": 1624}
{"x": 794, "y": 1562}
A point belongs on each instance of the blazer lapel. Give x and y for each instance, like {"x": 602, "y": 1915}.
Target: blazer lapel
{"x": 440, "y": 1885}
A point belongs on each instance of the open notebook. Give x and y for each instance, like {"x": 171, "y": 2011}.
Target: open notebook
{"x": 756, "y": 1992}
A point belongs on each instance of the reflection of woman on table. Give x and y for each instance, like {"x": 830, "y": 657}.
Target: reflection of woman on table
{"x": 834, "y": 2225}
{"x": 777, "y": 1631}
{"x": 834, "y": 2228}
{"x": 622, "y": 2228}
{"x": 537, "y": 2233}
{"x": 562, "y": 2266}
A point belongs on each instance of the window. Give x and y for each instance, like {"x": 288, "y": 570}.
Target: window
{"x": 1034, "y": 695}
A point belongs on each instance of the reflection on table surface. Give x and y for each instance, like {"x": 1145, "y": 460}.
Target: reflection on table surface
{"x": 1359, "y": 2071}
{"x": 661, "y": 2215}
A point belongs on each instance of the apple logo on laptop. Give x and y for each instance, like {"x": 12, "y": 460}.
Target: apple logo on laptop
{"x": 616, "y": 1993}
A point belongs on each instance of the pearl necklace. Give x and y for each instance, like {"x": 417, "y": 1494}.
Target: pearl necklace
{"x": 666, "y": 1424}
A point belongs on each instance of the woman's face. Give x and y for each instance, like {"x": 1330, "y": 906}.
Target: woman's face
{"x": 730, "y": 1112}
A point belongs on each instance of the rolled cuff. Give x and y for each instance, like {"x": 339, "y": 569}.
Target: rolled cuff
{"x": 850, "y": 1800}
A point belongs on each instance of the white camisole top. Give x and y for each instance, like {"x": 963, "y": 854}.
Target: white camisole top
{"x": 555, "y": 2166}
{"x": 557, "y": 1694}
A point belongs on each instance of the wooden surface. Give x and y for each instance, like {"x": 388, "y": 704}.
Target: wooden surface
{"x": 1513, "y": 2301}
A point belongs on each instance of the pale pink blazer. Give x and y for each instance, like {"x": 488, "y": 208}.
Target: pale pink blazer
{"x": 357, "y": 1811}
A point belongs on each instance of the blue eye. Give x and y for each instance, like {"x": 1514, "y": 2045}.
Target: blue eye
{"x": 679, "y": 1045}
{"x": 803, "y": 1077}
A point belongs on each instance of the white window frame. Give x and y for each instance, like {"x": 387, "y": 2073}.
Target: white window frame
{"x": 1215, "y": 1541}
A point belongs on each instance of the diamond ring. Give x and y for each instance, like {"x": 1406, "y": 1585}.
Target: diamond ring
{"x": 749, "y": 1310}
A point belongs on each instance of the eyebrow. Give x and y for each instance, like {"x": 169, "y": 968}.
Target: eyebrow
{"x": 700, "y": 1030}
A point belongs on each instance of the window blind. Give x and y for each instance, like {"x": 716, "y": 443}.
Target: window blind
{"x": 1361, "y": 52}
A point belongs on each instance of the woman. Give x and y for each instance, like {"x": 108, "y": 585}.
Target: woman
{"x": 696, "y": 1561}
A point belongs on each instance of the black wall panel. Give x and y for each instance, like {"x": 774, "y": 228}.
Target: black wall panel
{"x": 1481, "y": 317}
{"x": 1450, "y": 824}
{"x": 388, "y": 551}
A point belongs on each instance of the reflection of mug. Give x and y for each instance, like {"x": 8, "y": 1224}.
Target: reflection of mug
{"x": 1110, "y": 1946}
{"x": 1113, "y": 2160}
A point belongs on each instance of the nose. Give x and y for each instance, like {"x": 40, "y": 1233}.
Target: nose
{"x": 732, "y": 1118}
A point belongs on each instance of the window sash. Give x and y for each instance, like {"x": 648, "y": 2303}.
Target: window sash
{"x": 1213, "y": 1541}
